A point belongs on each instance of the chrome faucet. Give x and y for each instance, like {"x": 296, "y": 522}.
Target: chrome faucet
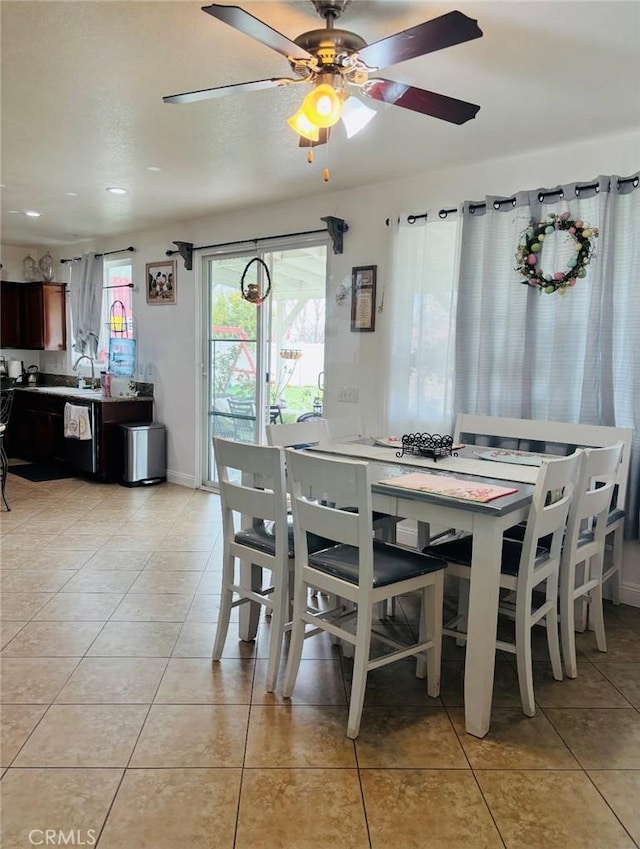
{"x": 75, "y": 368}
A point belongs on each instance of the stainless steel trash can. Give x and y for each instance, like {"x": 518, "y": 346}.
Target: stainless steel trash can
{"x": 145, "y": 454}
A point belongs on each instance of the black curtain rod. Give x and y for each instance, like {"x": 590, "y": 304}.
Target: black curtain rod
{"x": 336, "y": 228}
{"x": 411, "y": 219}
{"x": 248, "y": 241}
{"x": 106, "y": 253}
{"x": 118, "y": 286}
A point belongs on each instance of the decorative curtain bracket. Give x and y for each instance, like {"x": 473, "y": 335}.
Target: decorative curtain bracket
{"x": 336, "y": 227}
{"x": 185, "y": 249}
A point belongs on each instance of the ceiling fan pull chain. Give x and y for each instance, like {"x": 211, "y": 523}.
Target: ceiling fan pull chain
{"x": 326, "y": 174}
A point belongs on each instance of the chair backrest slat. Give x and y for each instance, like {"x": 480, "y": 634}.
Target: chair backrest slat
{"x": 297, "y": 433}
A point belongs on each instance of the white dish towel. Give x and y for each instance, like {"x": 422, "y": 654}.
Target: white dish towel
{"x": 77, "y": 424}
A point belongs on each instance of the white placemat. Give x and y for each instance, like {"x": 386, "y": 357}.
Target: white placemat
{"x": 461, "y": 465}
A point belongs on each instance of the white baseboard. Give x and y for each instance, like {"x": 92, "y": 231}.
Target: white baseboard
{"x": 181, "y": 479}
{"x": 630, "y": 594}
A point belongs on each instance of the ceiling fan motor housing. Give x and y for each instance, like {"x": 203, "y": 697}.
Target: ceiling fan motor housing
{"x": 332, "y": 48}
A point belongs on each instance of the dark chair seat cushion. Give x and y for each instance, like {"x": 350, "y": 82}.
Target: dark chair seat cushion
{"x": 262, "y": 537}
{"x": 390, "y": 563}
{"x": 459, "y": 551}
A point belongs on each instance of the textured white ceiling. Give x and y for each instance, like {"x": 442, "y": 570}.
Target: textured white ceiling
{"x": 82, "y": 87}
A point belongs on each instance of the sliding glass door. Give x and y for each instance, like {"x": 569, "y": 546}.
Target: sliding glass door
{"x": 262, "y": 363}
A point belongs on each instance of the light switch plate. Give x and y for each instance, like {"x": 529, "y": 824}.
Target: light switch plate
{"x": 348, "y": 394}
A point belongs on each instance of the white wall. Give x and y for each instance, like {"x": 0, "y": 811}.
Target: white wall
{"x": 169, "y": 352}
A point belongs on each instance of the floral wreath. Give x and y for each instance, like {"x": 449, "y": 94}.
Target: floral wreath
{"x": 530, "y": 246}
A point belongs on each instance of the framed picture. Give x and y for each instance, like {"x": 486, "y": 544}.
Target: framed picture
{"x": 363, "y": 298}
{"x": 161, "y": 282}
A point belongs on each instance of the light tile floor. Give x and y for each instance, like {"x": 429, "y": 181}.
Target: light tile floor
{"x": 118, "y": 730}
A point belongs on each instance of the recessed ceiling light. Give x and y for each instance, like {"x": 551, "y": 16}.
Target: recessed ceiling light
{"x": 153, "y": 168}
{"x": 117, "y": 190}
{"x": 32, "y": 213}
{"x": 15, "y": 211}
{"x": 71, "y": 194}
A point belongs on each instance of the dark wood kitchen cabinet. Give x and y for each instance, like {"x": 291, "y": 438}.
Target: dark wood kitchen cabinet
{"x": 33, "y": 316}
{"x": 10, "y": 316}
{"x": 36, "y": 429}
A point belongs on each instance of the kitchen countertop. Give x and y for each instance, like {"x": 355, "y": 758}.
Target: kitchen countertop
{"x": 85, "y": 394}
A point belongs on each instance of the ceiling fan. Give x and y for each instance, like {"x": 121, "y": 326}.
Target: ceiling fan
{"x": 339, "y": 64}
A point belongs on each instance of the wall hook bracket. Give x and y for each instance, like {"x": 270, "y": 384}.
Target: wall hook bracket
{"x": 336, "y": 228}
{"x": 185, "y": 249}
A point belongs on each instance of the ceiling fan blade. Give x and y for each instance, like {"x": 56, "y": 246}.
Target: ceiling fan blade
{"x": 445, "y": 31}
{"x": 325, "y": 132}
{"x": 419, "y": 100}
{"x": 246, "y": 23}
{"x": 224, "y": 90}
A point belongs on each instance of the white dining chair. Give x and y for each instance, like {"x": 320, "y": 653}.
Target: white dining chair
{"x": 526, "y": 566}
{"x": 584, "y": 546}
{"x": 253, "y": 490}
{"x": 361, "y": 570}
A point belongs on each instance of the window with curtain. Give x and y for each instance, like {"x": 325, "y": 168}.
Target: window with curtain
{"x": 421, "y": 340}
{"x": 111, "y": 306}
{"x": 117, "y": 314}
{"x": 512, "y": 351}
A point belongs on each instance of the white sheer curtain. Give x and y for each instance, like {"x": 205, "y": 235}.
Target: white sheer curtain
{"x": 86, "y": 303}
{"x": 575, "y": 358}
{"x": 420, "y": 343}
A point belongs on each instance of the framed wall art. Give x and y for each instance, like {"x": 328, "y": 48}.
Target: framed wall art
{"x": 363, "y": 298}
{"x": 161, "y": 282}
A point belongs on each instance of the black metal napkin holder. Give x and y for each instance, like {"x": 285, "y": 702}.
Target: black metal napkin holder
{"x": 431, "y": 445}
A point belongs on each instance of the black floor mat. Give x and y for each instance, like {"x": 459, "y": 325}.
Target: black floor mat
{"x": 39, "y": 472}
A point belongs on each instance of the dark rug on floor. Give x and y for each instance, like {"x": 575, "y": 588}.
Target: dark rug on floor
{"x": 39, "y": 472}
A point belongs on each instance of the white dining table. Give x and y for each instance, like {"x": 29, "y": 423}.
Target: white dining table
{"x": 486, "y": 521}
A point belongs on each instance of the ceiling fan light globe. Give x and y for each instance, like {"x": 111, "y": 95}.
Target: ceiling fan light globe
{"x": 356, "y": 116}
{"x": 322, "y": 107}
{"x": 300, "y": 124}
